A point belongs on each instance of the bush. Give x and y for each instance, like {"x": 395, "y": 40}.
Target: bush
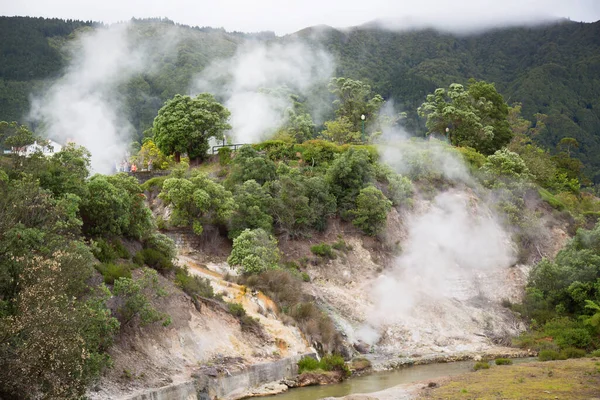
{"x": 193, "y": 285}
{"x": 549, "y": 355}
{"x": 152, "y": 184}
{"x": 332, "y": 362}
{"x": 323, "y": 250}
{"x": 571, "y": 352}
{"x": 481, "y": 365}
{"x": 236, "y": 309}
{"x": 156, "y": 260}
{"x": 371, "y": 211}
{"x": 305, "y": 277}
{"x": 161, "y": 243}
{"x": 103, "y": 251}
{"x": 138, "y": 258}
{"x": 503, "y": 361}
{"x": 224, "y": 156}
{"x": 307, "y": 364}
{"x": 255, "y": 251}
{"x": 111, "y": 272}
{"x": 595, "y": 353}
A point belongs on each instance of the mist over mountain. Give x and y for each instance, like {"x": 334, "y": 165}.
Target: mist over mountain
{"x": 552, "y": 68}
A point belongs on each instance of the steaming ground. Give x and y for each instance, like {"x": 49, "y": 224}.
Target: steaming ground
{"x": 443, "y": 292}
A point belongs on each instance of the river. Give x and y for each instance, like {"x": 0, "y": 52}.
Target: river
{"x": 383, "y": 380}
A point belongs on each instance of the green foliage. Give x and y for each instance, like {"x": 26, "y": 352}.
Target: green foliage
{"x": 193, "y": 285}
{"x": 503, "y": 361}
{"x": 476, "y": 117}
{"x": 371, "y": 210}
{"x": 572, "y": 352}
{"x": 184, "y": 125}
{"x": 481, "y": 365}
{"x": 354, "y": 98}
{"x": 255, "y": 251}
{"x": 135, "y": 298}
{"x": 224, "y": 156}
{"x": 197, "y": 200}
{"x": 156, "y": 260}
{"x": 323, "y": 250}
{"x": 400, "y": 189}
{"x": 341, "y": 131}
{"x": 115, "y": 206}
{"x": 504, "y": 166}
{"x": 349, "y": 173}
{"x": 252, "y": 203}
{"x": 248, "y": 164}
{"x": 161, "y": 243}
{"x": 318, "y": 152}
{"x": 549, "y": 355}
{"x": 236, "y": 309}
{"x": 111, "y": 272}
{"x": 331, "y": 362}
{"x": 307, "y": 364}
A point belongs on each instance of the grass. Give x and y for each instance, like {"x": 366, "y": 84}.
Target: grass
{"x": 570, "y": 379}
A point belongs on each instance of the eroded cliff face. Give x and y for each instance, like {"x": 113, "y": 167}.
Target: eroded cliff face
{"x": 435, "y": 285}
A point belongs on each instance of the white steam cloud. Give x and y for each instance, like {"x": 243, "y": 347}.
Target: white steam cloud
{"x": 255, "y": 84}
{"x": 83, "y": 105}
{"x": 456, "y": 250}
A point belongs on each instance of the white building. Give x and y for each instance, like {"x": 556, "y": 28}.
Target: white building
{"x": 47, "y": 147}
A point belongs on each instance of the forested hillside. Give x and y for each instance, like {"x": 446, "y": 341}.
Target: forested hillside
{"x": 553, "y": 70}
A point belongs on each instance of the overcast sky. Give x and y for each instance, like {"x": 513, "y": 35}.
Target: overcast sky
{"x": 287, "y": 16}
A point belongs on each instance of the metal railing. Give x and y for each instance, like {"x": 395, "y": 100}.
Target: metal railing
{"x": 234, "y": 147}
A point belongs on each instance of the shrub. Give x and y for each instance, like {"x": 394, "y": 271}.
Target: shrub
{"x": 549, "y": 355}
{"x": 152, "y": 184}
{"x": 571, "y": 352}
{"x": 503, "y": 361}
{"x": 156, "y": 260}
{"x": 111, "y": 272}
{"x": 236, "y": 309}
{"x": 161, "y": 243}
{"x": 138, "y": 258}
{"x": 193, "y": 285}
{"x": 323, "y": 250}
{"x": 307, "y": 364}
{"x": 371, "y": 211}
{"x": 224, "y": 156}
{"x": 574, "y": 337}
{"x": 595, "y": 353}
{"x": 134, "y": 298}
{"x": 103, "y": 251}
{"x": 400, "y": 189}
{"x": 255, "y": 251}
{"x": 334, "y": 362}
{"x": 481, "y": 365}
{"x": 305, "y": 277}
{"x": 249, "y": 324}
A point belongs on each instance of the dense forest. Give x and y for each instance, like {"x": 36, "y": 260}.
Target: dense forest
{"x": 553, "y": 70}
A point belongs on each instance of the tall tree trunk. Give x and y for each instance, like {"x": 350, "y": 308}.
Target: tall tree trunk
{"x": 177, "y": 157}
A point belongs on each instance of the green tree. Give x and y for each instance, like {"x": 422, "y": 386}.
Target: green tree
{"x": 197, "y": 200}
{"x": 135, "y": 298}
{"x": 184, "y": 125}
{"x": 14, "y": 135}
{"x": 355, "y": 98}
{"x": 477, "y": 117}
{"x": 252, "y": 205}
{"x": 255, "y": 251}
{"x": 348, "y": 174}
{"x": 341, "y": 131}
{"x": 371, "y": 210}
{"x": 249, "y": 164}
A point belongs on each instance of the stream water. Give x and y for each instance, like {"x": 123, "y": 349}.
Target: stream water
{"x": 383, "y": 380}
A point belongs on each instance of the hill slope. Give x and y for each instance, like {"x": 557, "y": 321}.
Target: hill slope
{"x": 552, "y": 69}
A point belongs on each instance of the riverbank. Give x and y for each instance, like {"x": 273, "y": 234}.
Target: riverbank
{"x": 568, "y": 379}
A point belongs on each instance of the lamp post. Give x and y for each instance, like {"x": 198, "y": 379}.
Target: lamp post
{"x": 448, "y": 134}
{"x": 362, "y": 117}
{"x": 224, "y": 139}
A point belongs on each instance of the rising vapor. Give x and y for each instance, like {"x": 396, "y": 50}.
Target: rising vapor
{"x": 255, "y": 84}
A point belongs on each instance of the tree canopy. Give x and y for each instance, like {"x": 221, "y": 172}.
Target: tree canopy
{"x": 185, "y": 124}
